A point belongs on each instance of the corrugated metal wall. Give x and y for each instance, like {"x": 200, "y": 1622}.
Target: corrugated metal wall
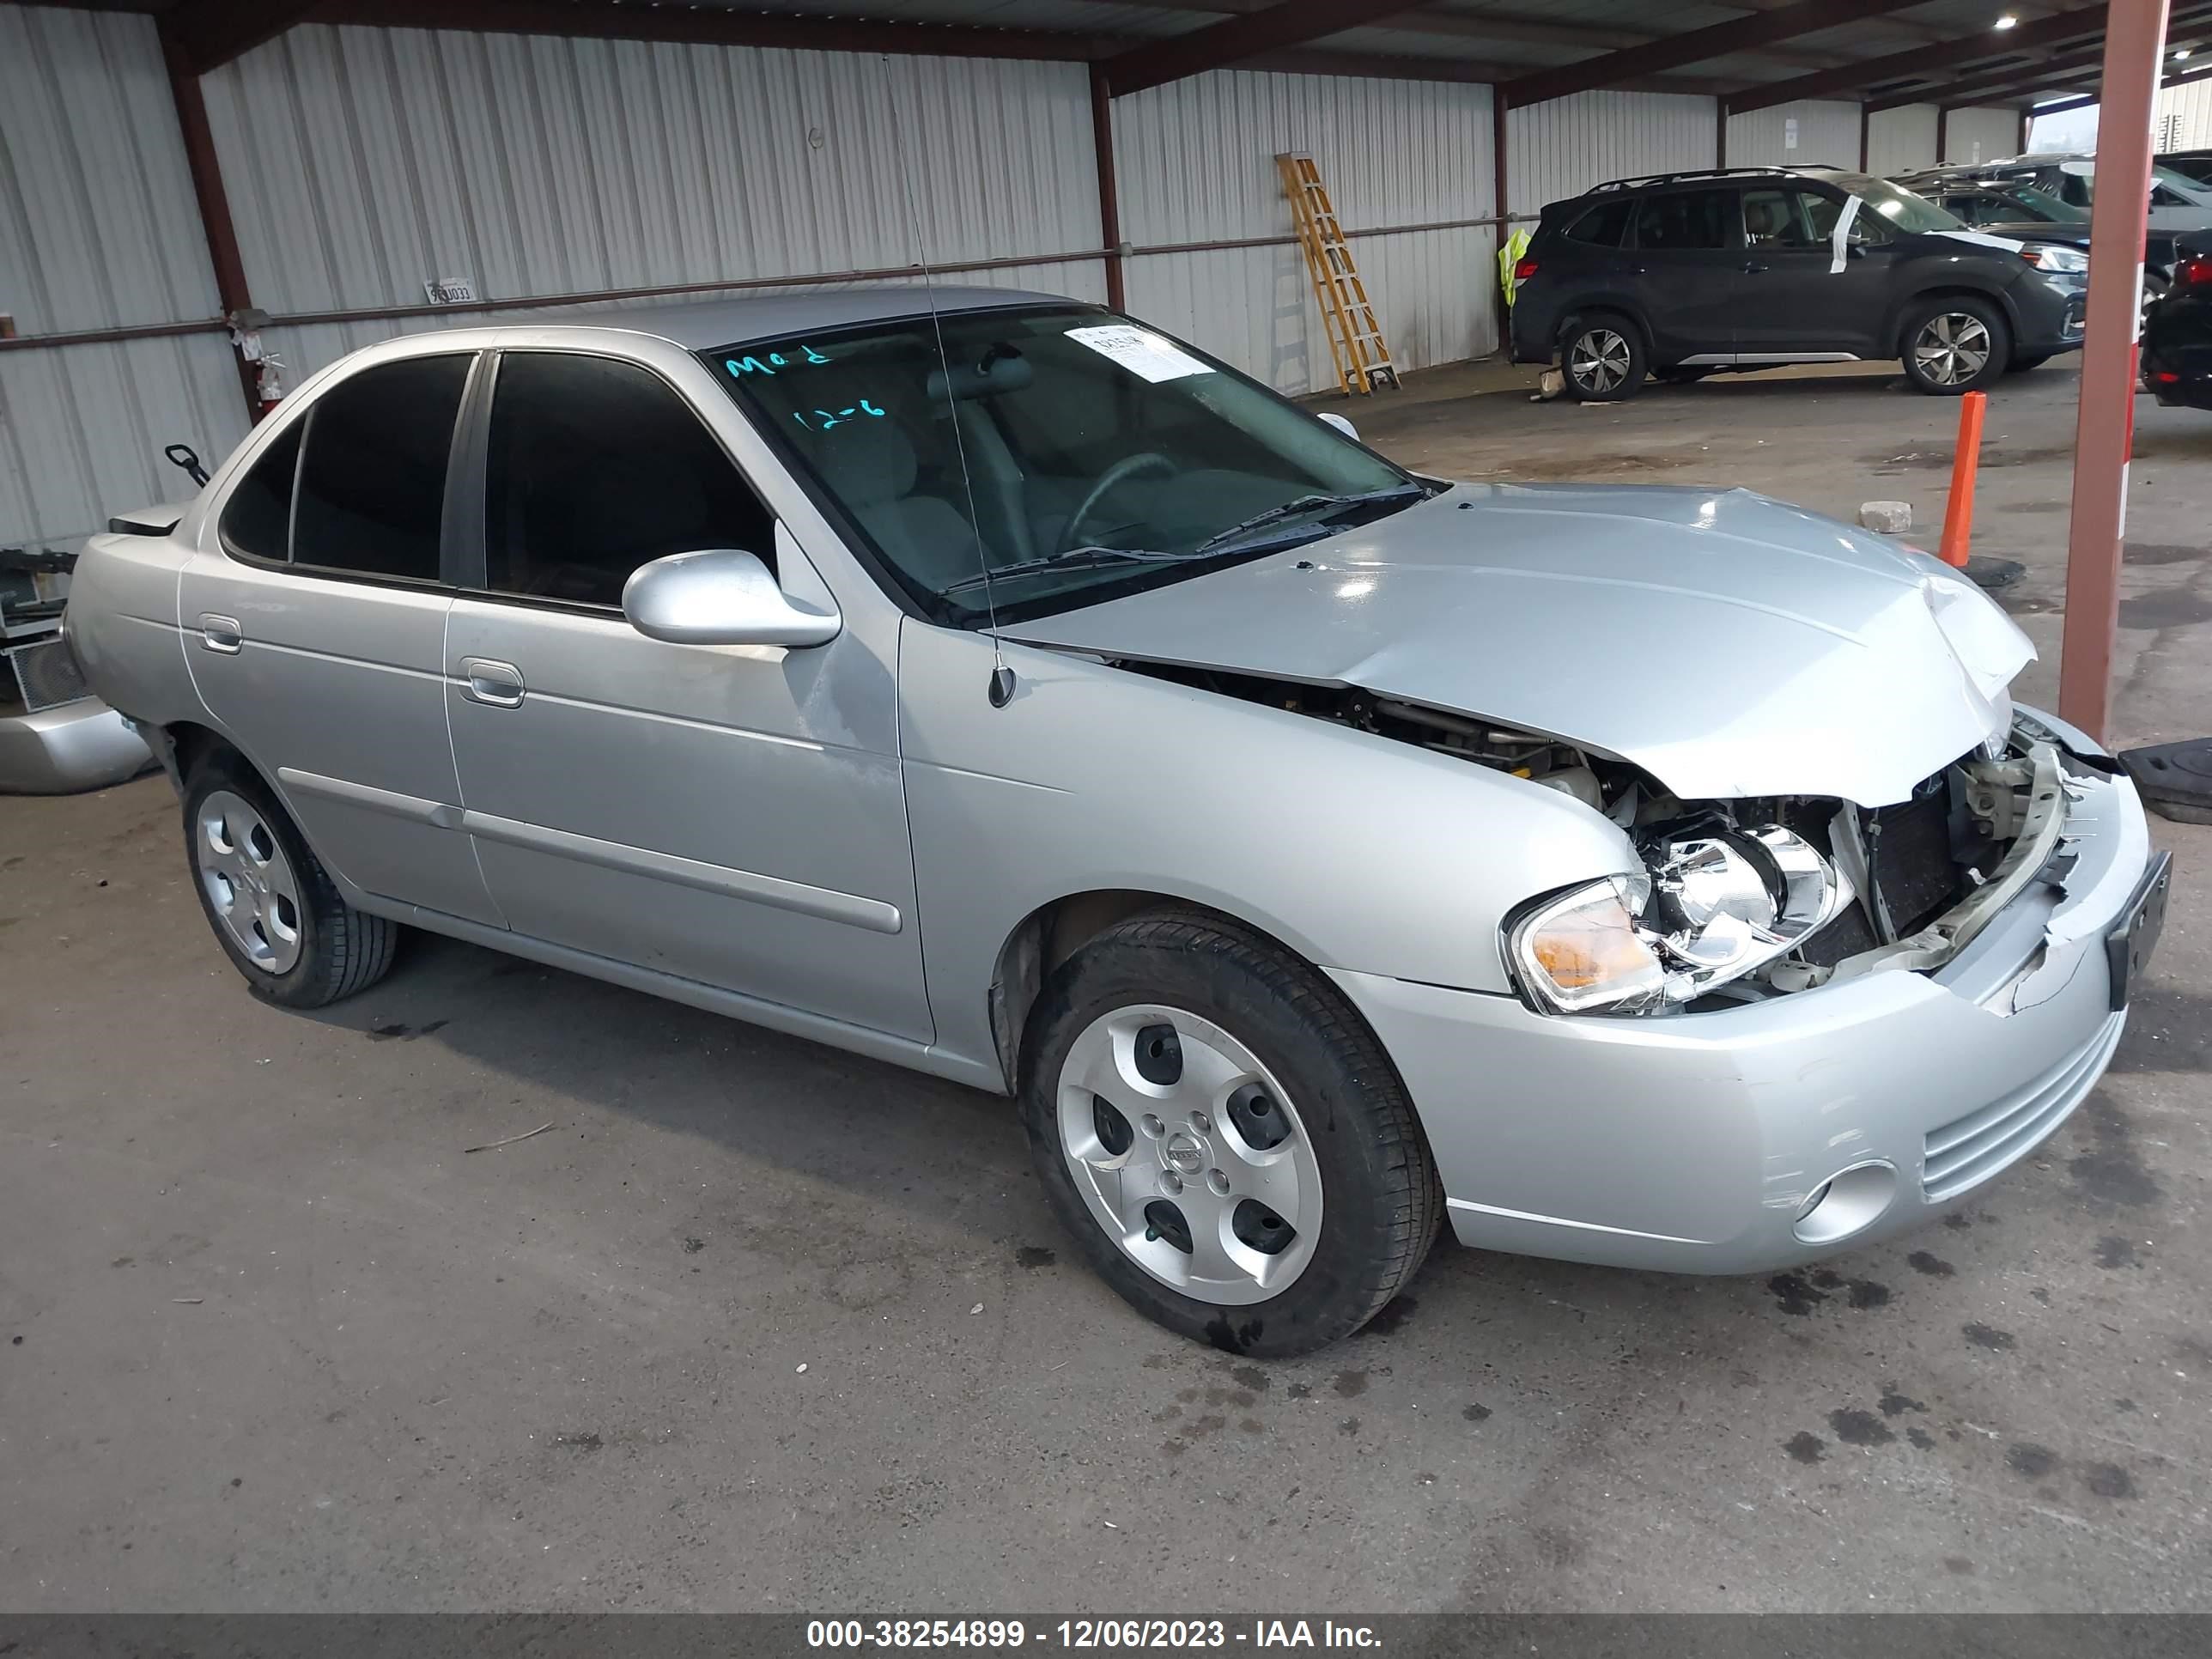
{"x": 362, "y": 163}
{"x": 1560, "y": 148}
{"x": 1901, "y": 140}
{"x": 1800, "y": 134}
{"x": 1981, "y": 135}
{"x": 1195, "y": 162}
{"x": 99, "y": 230}
{"x": 2183, "y": 118}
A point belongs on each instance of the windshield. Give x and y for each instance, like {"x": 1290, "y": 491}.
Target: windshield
{"x": 1902, "y": 207}
{"x": 1084, "y": 455}
{"x": 2045, "y": 206}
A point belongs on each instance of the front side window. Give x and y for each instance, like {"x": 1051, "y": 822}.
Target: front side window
{"x": 1074, "y": 454}
{"x": 597, "y": 466}
{"x": 1686, "y": 219}
{"x": 1777, "y": 218}
{"x": 372, "y": 490}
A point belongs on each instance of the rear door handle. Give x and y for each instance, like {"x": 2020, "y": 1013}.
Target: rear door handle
{"x": 496, "y": 685}
{"x": 220, "y": 634}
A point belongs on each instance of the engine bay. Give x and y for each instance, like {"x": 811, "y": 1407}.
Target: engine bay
{"x": 1742, "y": 899}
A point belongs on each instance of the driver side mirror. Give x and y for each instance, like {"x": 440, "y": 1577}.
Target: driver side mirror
{"x": 720, "y": 597}
{"x": 1341, "y": 425}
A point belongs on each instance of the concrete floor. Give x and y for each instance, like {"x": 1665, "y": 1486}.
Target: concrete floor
{"x": 757, "y": 1326}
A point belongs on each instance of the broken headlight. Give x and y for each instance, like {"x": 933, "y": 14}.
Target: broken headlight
{"x": 1708, "y": 908}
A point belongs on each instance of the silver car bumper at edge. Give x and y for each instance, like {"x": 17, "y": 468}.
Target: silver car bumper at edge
{"x": 1691, "y": 1143}
{"x": 83, "y": 745}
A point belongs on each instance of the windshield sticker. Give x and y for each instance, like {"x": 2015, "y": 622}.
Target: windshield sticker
{"x": 744, "y": 366}
{"x": 823, "y": 419}
{"x": 1140, "y": 351}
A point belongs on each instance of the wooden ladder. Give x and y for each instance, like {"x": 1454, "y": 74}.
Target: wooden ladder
{"x": 1355, "y": 337}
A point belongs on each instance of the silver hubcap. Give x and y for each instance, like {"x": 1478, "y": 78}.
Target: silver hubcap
{"x": 249, "y": 881}
{"x": 1189, "y": 1154}
{"x": 1599, "y": 359}
{"x": 1952, "y": 349}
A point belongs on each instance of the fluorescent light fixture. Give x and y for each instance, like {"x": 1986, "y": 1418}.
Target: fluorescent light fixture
{"x": 2005, "y": 21}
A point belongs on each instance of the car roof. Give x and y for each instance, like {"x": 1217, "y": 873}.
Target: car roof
{"x": 697, "y": 324}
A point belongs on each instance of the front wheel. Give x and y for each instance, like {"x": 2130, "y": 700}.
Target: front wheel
{"x": 1955, "y": 345}
{"x": 1224, "y": 1138}
{"x": 1602, "y": 360}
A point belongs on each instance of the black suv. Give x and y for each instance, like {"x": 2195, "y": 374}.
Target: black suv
{"x": 1685, "y": 274}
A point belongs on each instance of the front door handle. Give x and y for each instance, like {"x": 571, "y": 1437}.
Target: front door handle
{"x": 497, "y": 684}
{"x": 220, "y": 634}
{"x": 1753, "y": 267}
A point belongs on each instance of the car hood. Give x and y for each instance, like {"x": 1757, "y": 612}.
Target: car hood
{"x": 1729, "y": 645}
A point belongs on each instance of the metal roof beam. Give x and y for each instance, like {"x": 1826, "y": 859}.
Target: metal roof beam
{"x": 1673, "y": 51}
{"x": 2188, "y": 26}
{"x": 2083, "y": 100}
{"x": 209, "y": 33}
{"x": 1238, "y": 40}
{"x": 2083, "y": 22}
{"x": 607, "y": 19}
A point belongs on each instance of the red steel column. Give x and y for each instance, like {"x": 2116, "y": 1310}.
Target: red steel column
{"x": 215, "y": 224}
{"x": 2135, "y": 40}
{"x": 1109, "y": 195}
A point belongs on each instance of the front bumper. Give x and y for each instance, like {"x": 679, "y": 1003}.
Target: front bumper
{"x": 1691, "y": 1142}
{"x": 2054, "y": 314}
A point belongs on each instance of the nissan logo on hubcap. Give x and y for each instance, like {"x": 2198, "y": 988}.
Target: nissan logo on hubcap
{"x": 1183, "y": 1151}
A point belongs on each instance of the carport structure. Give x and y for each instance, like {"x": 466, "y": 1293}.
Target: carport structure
{"x": 329, "y": 172}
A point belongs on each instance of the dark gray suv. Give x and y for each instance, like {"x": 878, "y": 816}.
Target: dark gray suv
{"x": 1685, "y": 274}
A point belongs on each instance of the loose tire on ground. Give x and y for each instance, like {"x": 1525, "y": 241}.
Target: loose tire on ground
{"x": 267, "y": 900}
{"x": 1196, "y": 988}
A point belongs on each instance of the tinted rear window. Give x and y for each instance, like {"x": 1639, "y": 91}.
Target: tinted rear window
{"x": 1686, "y": 219}
{"x": 1604, "y": 225}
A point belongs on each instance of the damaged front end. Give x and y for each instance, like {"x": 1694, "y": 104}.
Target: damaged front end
{"x": 1743, "y": 900}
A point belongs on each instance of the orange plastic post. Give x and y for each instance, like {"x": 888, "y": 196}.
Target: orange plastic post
{"x": 1958, "y": 511}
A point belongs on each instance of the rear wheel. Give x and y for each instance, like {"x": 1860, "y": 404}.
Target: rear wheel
{"x": 1224, "y": 1137}
{"x": 1602, "y": 358}
{"x": 273, "y": 907}
{"x": 1956, "y": 343}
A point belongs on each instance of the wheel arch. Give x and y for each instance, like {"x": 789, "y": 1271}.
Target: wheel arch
{"x": 1604, "y": 305}
{"x": 1056, "y": 930}
{"x": 1949, "y": 291}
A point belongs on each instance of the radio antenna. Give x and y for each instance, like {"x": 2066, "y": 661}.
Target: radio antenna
{"x": 1001, "y": 690}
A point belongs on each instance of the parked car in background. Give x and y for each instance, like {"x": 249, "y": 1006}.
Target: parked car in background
{"x": 2016, "y": 207}
{"x": 2177, "y": 341}
{"x": 987, "y": 683}
{"x": 2190, "y": 163}
{"x": 1682, "y": 273}
{"x": 2178, "y": 202}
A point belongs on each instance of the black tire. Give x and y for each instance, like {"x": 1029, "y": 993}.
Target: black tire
{"x": 1382, "y": 1203}
{"x": 340, "y": 950}
{"x": 1960, "y": 373}
{"x": 1603, "y": 358}
{"x": 2022, "y": 365}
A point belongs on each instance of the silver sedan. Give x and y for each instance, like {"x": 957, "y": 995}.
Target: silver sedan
{"x": 1318, "y": 852}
